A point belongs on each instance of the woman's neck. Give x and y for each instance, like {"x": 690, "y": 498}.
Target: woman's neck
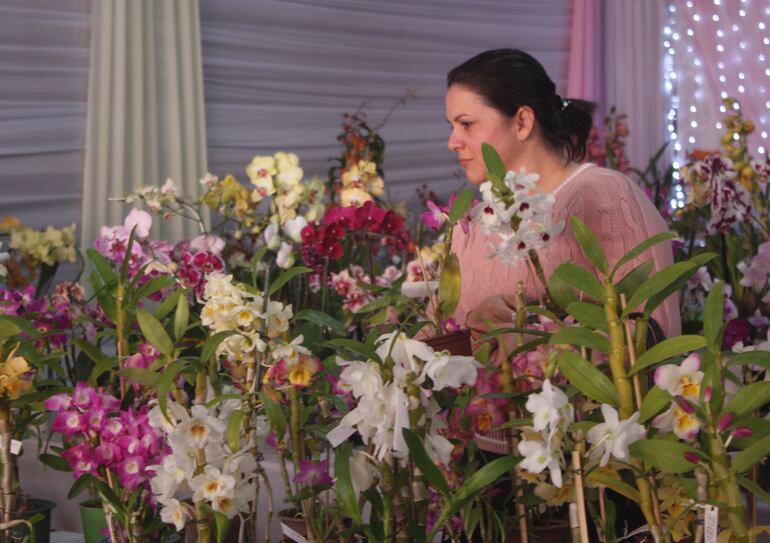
{"x": 550, "y": 166}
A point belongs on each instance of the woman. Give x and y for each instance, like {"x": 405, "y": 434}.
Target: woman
{"x": 505, "y": 98}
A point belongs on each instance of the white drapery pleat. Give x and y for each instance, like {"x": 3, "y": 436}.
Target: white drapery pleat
{"x": 633, "y": 45}
{"x": 145, "y": 109}
{"x": 278, "y": 74}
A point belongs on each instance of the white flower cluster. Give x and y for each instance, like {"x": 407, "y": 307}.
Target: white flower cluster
{"x": 230, "y": 307}
{"x": 521, "y": 218}
{"x": 50, "y": 246}
{"x": 295, "y": 203}
{"x": 383, "y": 405}
{"x": 155, "y": 197}
{"x": 552, "y": 416}
{"x": 201, "y": 466}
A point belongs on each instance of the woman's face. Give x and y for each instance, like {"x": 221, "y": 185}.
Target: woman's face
{"x": 474, "y": 122}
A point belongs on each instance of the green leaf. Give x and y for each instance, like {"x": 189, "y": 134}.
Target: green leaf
{"x": 255, "y": 260}
{"x": 582, "y": 337}
{"x": 587, "y": 378}
{"x": 758, "y": 358}
{"x": 346, "y": 496}
{"x": 322, "y": 319}
{"x": 154, "y": 285}
{"x": 165, "y": 382}
{"x": 275, "y": 415}
{"x": 222, "y": 524}
{"x": 8, "y": 329}
{"x": 103, "y": 363}
{"x": 421, "y": 459}
{"x": 589, "y": 314}
{"x": 668, "y": 277}
{"x": 168, "y": 304}
{"x": 713, "y": 316}
{"x": 677, "y": 281}
{"x": 485, "y": 476}
{"x": 494, "y": 166}
{"x": 211, "y": 344}
{"x": 154, "y": 332}
{"x": 234, "y": 430}
{"x": 23, "y": 324}
{"x": 581, "y": 279}
{"x": 745, "y": 459}
{"x": 285, "y": 277}
{"x": 749, "y": 399}
{"x": 654, "y": 402}
{"x": 449, "y": 285}
{"x": 461, "y": 204}
{"x": 668, "y": 349}
{"x": 634, "y": 278}
{"x": 667, "y": 456}
{"x": 80, "y": 485}
{"x": 102, "y": 266}
{"x": 754, "y": 488}
{"x": 639, "y": 249}
{"x": 615, "y": 484}
{"x": 342, "y": 344}
{"x": 561, "y": 292}
{"x": 54, "y": 461}
{"x": 144, "y": 377}
{"x": 181, "y": 318}
{"x": 590, "y": 245}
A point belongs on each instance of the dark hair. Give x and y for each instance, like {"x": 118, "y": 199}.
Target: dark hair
{"x": 508, "y": 79}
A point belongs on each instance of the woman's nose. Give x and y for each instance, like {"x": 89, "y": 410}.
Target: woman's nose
{"x": 454, "y": 142}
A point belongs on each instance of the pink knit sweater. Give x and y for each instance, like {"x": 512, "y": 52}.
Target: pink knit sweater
{"x": 612, "y": 206}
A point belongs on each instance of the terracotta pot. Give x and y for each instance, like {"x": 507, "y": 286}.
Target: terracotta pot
{"x": 292, "y": 526}
{"x": 457, "y": 343}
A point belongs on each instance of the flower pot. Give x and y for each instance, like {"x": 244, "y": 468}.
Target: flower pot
{"x": 93, "y": 521}
{"x": 293, "y": 527}
{"x": 457, "y": 343}
{"x": 42, "y": 527}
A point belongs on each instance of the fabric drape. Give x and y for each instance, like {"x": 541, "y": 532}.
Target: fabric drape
{"x": 585, "y": 74}
{"x": 145, "y": 118}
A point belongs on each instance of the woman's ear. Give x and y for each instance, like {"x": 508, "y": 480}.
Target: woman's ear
{"x": 523, "y": 123}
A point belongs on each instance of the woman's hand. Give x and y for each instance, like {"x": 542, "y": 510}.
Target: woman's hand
{"x": 494, "y": 313}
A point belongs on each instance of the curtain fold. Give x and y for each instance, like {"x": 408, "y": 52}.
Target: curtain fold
{"x": 585, "y": 73}
{"x": 145, "y": 112}
{"x": 633, "y": 53}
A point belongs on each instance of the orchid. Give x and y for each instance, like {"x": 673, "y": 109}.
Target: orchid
{"x": 539, "y": 456}
{"x": 683, "y": 380}
{"x": 613, "y": 436}
{"x": 551, "y": 408}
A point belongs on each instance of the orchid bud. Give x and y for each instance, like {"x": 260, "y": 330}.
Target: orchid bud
{"x": 742, "y": 431}
{"x": 725, "y": 421}
{"x": 692, "y": 457}
{"x": 686, "y": 406}
{"x": 707, "y": 394}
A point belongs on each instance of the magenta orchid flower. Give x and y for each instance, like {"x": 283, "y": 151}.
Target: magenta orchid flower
{"x": 435, "y": 216}
{"x": 313, "y": 474}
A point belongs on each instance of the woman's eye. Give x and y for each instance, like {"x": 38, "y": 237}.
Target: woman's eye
{"x": 465, "y": 124}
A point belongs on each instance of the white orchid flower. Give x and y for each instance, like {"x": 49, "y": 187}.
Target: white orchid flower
{"x": 363, "y": 379}
{"x": 450, "y": 371}
{"x": 211, "y": 484}
{"x": 683, "y": 380}
{"x": 613, "y": 436}
{"x": 539, "y": 456}
{"x": 293, "y": 228}
{"x": 362, "y": 472}
{"x": 418, "y": 289}
{"x": 549, "y": 407}
{"x": 285, "y": 257}
{"x": 176, "y": 513}
{"x": 408, "y": 354}
{"x": 683, "y": 423}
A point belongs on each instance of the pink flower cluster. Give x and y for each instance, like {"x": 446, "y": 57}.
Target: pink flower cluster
{"x": 194, "y": 268}
{"x": 98, "y": 436}
{"x": 53, "y": 315}
{"x": 354, "y": 297}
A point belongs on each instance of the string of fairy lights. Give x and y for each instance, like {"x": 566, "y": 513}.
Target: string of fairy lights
{"x": 742, "y": 65}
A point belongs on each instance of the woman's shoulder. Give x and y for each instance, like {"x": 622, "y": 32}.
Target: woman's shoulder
{"x": 591, "y": 176}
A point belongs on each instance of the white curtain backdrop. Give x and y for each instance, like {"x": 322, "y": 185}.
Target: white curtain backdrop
{"x": 44, "y": 75}
{"x": 633, "y": 45}
{"x": 278, "y": 74}
{"x": 145, "y": 109}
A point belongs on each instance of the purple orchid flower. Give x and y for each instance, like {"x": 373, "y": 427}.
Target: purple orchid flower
{"x": 313, "y": 474}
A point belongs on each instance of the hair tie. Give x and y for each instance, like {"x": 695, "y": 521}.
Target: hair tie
{"x": 564, "y": 103}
